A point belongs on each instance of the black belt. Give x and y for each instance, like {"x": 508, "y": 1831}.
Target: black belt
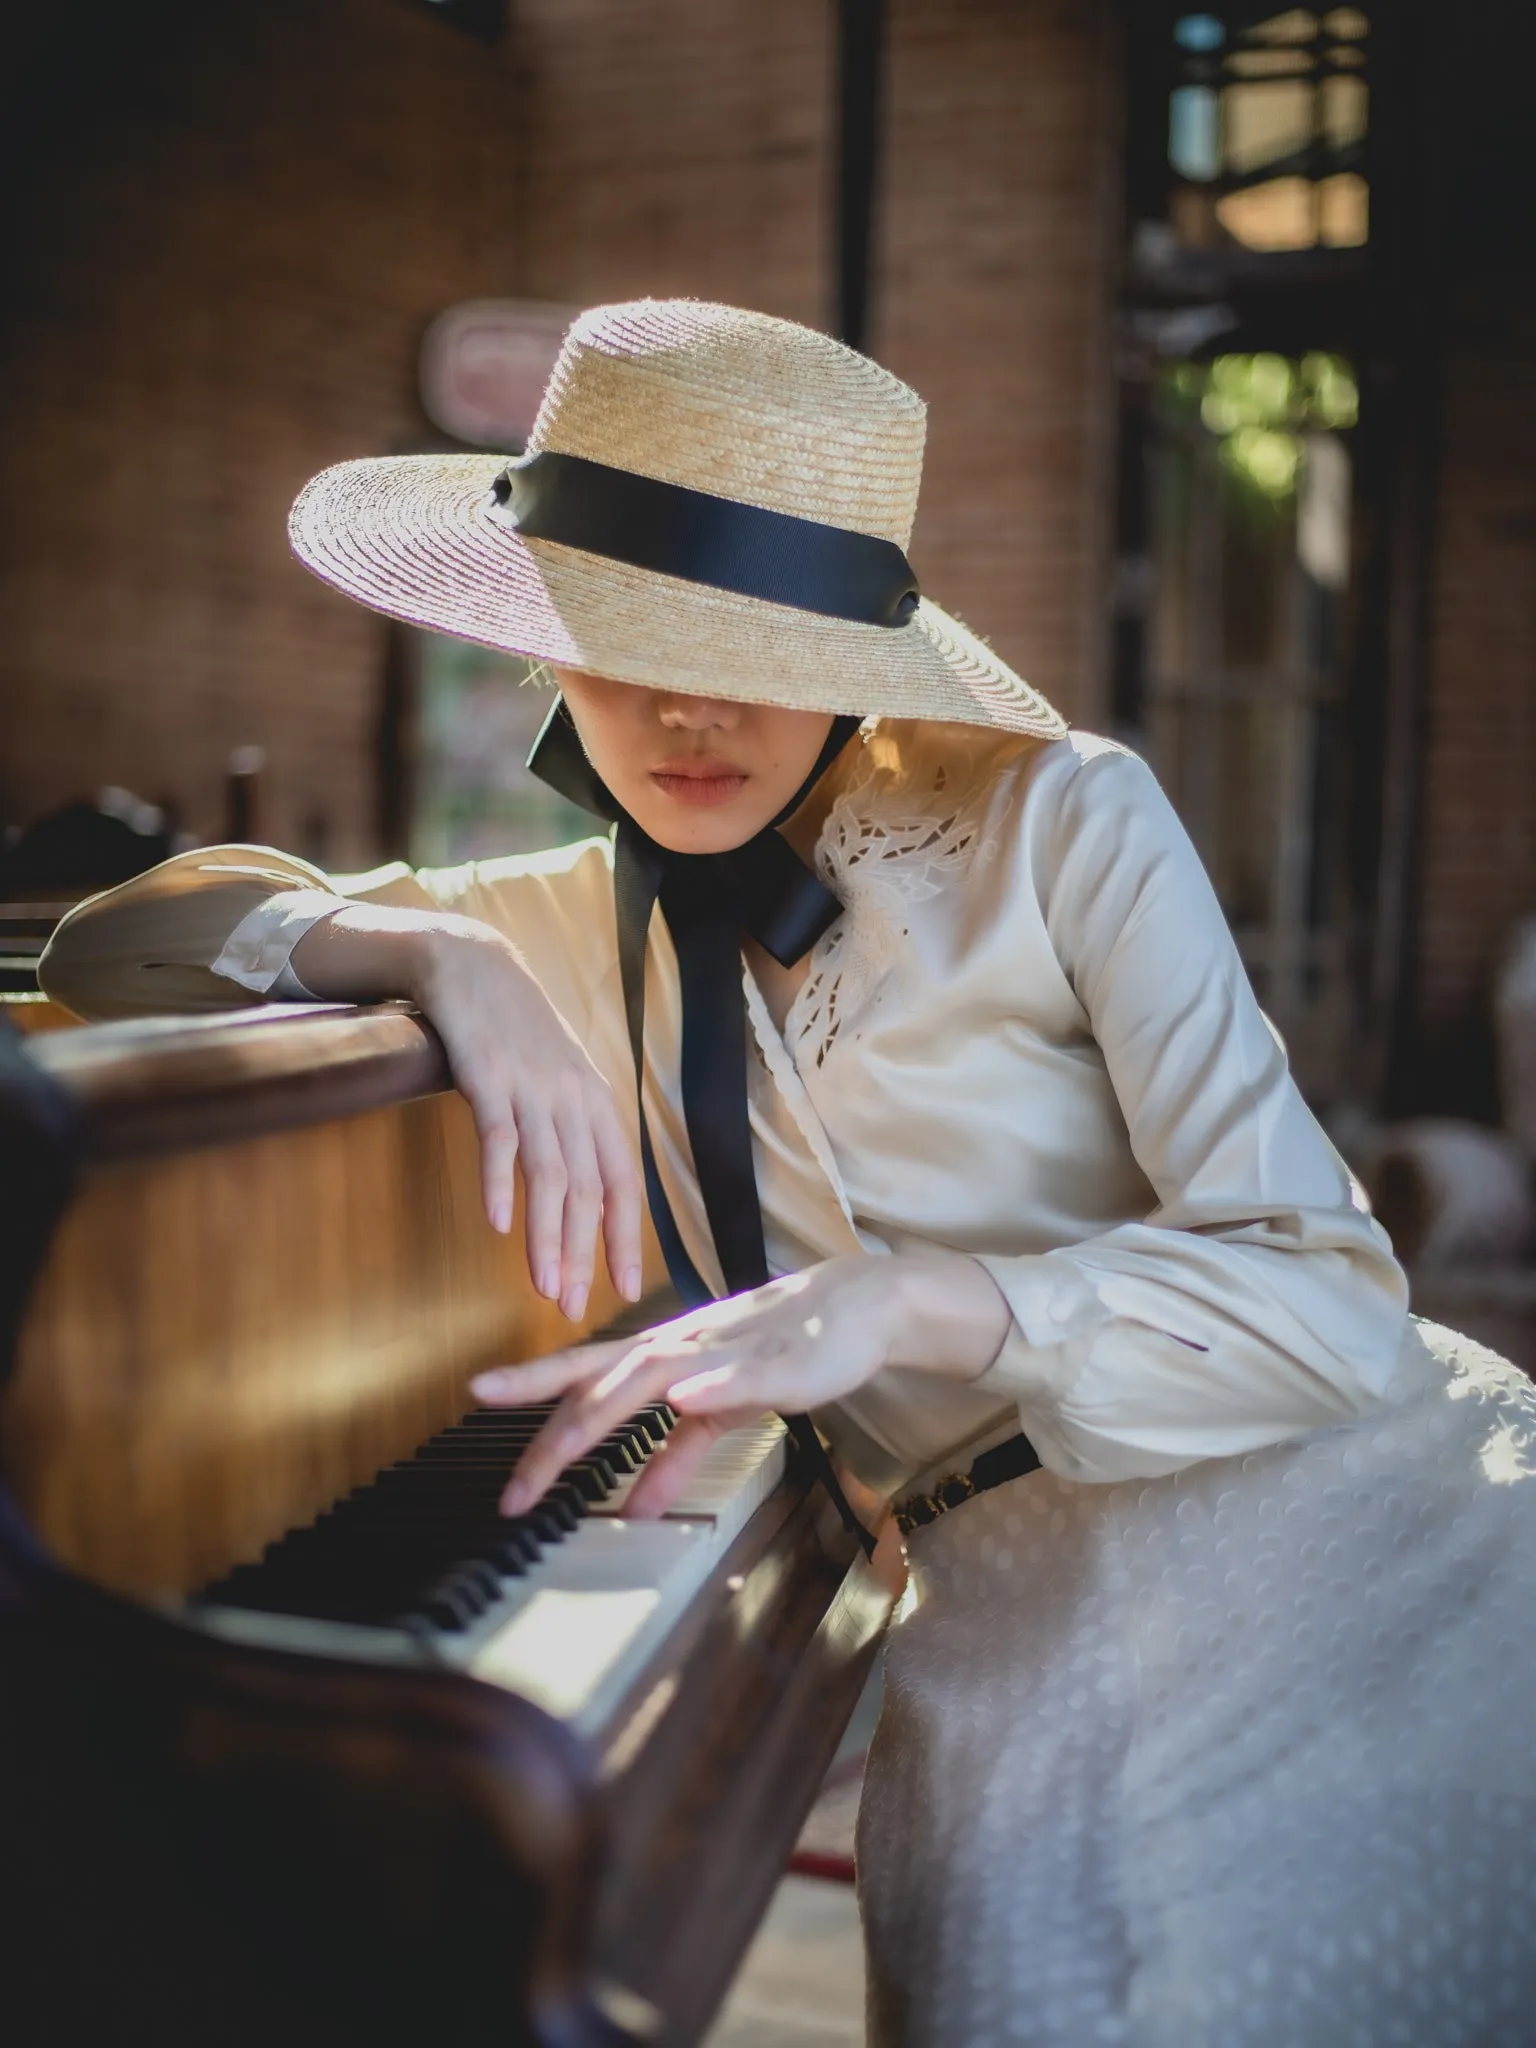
{"x": 1005, "y": 1461}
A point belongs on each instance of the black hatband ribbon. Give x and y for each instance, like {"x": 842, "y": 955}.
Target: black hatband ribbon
{"x": 709, "y": 900}
{"x": 674, "y": 531}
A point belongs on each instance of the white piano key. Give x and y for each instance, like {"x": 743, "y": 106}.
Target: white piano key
{"x": 737, "y": 1474}
{"x": 574, "y": 1632}
{"x": 576, "y": 1629}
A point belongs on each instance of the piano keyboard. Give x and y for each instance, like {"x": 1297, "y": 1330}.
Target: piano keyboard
{"x": 566, "y": 1604}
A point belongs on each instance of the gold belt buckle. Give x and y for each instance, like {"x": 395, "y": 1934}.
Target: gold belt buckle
{"x": 919, "y": 1509}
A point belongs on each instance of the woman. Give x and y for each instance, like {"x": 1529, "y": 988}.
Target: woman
{"x": 955, "y": 1092}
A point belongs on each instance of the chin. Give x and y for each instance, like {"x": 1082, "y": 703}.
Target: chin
{"x": 717, "y": 834}
{"x": 683, "y": 827}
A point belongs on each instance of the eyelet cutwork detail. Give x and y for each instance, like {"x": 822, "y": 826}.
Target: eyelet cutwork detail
{"x": 895, "y": 836}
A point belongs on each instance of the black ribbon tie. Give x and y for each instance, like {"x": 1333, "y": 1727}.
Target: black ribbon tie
{"x": 762, "y": 888}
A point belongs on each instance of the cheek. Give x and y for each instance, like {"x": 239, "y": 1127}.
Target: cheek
{"x": 610, "y": 745}
{"x": 611, "y": 730}
{"x": 793, "y": 747}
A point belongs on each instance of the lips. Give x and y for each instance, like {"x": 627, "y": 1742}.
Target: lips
{"x": 699, "y": 779}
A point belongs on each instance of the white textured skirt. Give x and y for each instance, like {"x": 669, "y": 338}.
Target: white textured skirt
{"x": 1242, "y": 1756}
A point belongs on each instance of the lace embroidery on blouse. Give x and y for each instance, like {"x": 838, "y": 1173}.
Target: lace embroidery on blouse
{"x": 905, "y": 826}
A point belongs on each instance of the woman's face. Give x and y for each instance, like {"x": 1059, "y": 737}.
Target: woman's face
{"x": 699, "y": 774}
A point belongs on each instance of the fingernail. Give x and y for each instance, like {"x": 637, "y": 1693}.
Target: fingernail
{"x": 515, "y": 1501}
{"x": 630, "y": 1287}
{"x": 574, "y": 1303}
{"x": 549, "y": 1281}
{"x": 501, "y": 1217}
{"x": 487, "y": 1385}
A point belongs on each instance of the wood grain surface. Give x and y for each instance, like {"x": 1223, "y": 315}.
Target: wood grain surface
{"x": 156, "y": 1085}
{"x": 225, "y": 1339}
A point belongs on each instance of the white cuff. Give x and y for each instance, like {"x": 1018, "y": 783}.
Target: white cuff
{"x": 256, "y": 954}
{"x": 1056, "y": 1312}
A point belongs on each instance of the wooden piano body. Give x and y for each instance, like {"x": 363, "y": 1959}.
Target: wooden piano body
{"x": 242, "y": 1268}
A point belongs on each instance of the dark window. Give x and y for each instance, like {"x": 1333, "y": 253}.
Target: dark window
{"x": 1267, "y": 130}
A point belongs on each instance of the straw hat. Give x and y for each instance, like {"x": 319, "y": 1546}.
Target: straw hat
{"x": 777, "y": 461}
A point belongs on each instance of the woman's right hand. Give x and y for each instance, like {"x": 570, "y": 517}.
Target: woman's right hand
{"x": 536, "y": 1096}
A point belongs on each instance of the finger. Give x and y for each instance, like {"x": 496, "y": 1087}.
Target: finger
{"x": 583, "y": 1202}
{"x": 498, "y": 1156}
{"x": 586, "y": 1414}
{"x": 874, "y": 1509}
{"x": 670, "y": 1471}
{"x": 544, "y": 1188}
{"x": 621, "y": 1201}
{"x": 546, "y": 1379}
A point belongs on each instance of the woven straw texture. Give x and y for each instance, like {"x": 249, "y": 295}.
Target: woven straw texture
{"x": 716, "y": 399}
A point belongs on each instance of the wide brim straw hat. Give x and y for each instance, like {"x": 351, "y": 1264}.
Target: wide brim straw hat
{"x": 729, "y": 415}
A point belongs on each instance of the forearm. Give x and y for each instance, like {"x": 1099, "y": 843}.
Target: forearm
{"x": 945, "y": 1313}
{"x": 372, "y": 952}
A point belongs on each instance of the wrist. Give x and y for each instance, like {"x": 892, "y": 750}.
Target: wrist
{"x": 436, "y": 949}
{"x": 426, "y": 957}
{"x": 945, "y": 1314}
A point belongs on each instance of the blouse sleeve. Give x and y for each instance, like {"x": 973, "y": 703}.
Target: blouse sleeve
{"x": 1258, "y": 1298}
{"x": 215, "y": 928}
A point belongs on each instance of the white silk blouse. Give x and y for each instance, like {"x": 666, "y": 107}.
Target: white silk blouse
{"x": 1028, "y": 1038}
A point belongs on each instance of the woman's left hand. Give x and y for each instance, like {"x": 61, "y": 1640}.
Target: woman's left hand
{"x": 795, "y": 1344}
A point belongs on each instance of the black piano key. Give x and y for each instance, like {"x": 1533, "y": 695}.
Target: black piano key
{"x": 619, "y": 1449}
{"x": 424, "y": 1542}
{"x": 458, "y": 1598}
{"x": 358, "y": 1547}
{"x": 446, "y": 1608}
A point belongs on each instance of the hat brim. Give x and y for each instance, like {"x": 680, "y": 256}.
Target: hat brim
{"x": 415, "y": 537}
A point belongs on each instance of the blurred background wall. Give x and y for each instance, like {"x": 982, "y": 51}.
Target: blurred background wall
{"x": 1224, "y": 319}
{"x": 228, "y": 228}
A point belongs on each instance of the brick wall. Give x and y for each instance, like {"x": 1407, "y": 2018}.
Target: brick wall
{"x": 224, "y": 260}
{"x": 224, "y": 255}
{"x": 666, "y": 158}
{"x": 997, "y": 247}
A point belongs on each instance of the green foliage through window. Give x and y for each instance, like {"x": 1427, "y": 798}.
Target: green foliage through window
{"x": 1261, "y": 406}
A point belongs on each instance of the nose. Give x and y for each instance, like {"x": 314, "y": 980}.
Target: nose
{"x": 681, "y": 713}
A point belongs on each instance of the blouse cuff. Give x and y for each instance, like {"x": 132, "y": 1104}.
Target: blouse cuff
{"x": 1055, "y": 1315}
{"x": 257, "y": 952}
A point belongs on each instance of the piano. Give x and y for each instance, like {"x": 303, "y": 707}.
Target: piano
{"x": 299, "y": 1740}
